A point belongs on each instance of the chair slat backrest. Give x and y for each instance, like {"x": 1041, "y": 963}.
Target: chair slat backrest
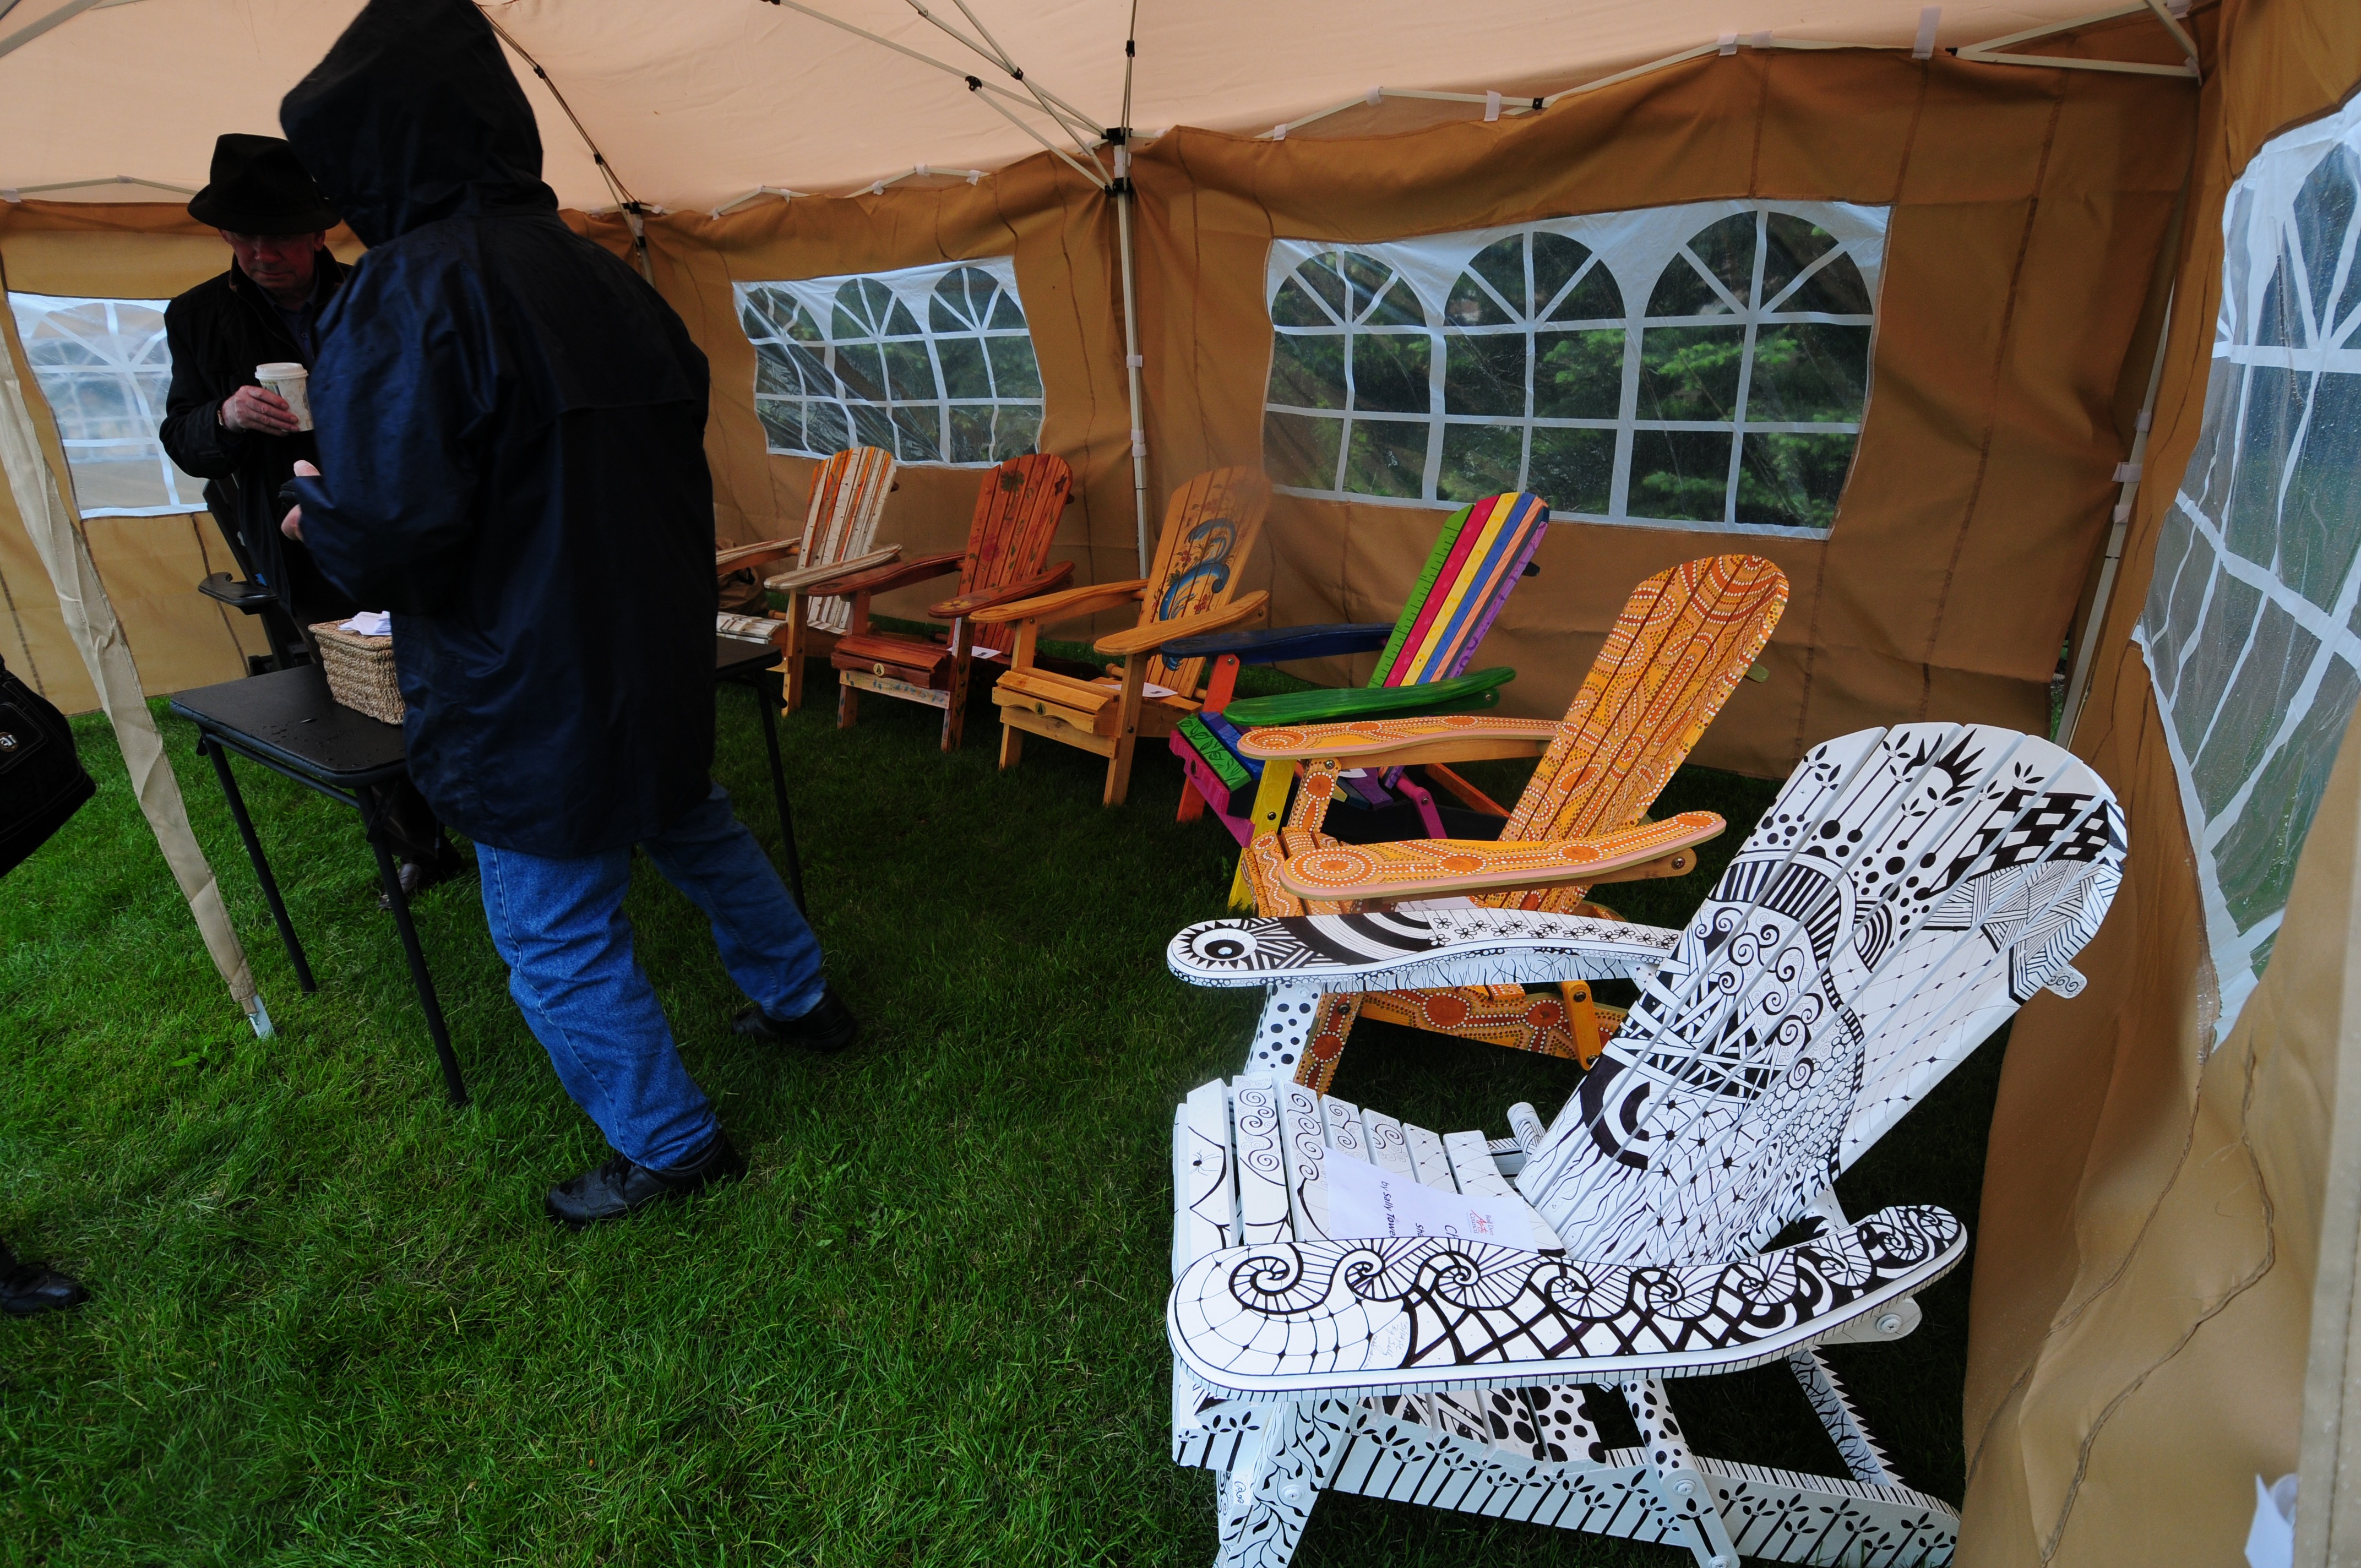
{"x": 1908, "y": 890}
{"x": 1016, "y": 510}
{"x": 848, "y": 497}
{"x": 1685, "y": 639}
{"x": 1476, "y": 562}
{"x": 1211, "y": 527}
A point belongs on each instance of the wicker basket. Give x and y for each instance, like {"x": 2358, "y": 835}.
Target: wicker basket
{"x": 359, "y": 671}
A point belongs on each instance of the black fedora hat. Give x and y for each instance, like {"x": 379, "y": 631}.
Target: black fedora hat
{"x": 258, "y": 187}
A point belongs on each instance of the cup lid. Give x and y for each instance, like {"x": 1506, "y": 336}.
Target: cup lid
{"x": 280, "y": 370}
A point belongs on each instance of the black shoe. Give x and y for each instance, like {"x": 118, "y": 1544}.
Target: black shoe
{"x": 830, "y": 1026}
{"x": 621, "y": 1187}
{"x": 417, "y": 876}
{"x": 29, "y": 1289}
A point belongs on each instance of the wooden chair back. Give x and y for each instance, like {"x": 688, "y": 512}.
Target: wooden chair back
{"x": 1476, "y": 562}
{"x": 1016, "y": 511}
{"x": 1684, "y": 640}
{"x": 1211, "y": 527}
{"x": 848, "y": 497}
{"x": 1908, "y": 890}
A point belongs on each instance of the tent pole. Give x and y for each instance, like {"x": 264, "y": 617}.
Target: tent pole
{"x": 98, "y": 636}
{"x": 2129, "y": 472}
{"x": 1131, "y": 359}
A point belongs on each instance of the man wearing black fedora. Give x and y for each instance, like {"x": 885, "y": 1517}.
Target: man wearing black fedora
{"x": 223, "y": 426}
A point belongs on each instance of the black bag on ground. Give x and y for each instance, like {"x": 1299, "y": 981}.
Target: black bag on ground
{"x": 41, "y": 781}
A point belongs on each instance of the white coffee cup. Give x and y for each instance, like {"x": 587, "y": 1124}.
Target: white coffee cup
{"x": 292, "y": 382}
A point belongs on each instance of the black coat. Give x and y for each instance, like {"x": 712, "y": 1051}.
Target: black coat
{"x": 218, "y": 332}
{"x": 511, "y": 440}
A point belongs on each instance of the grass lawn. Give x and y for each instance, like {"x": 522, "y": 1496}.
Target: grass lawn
{"x": 332, "y": 1326}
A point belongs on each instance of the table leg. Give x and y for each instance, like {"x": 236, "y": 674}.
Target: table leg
{"x": 779, "y": 797}
{"x": 261, "y": 866}
{"x": 390, "y": 876}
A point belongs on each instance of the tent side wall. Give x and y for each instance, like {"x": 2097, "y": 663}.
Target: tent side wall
{"x": 2145, "y": 1272}
{"x": 2028, "y": 208}
{"x": 151, "y": 566}
{"x": 1059, "y": 232}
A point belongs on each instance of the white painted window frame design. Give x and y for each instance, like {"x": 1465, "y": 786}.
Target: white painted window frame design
{"x": 2268, "y": 246}
{"x": 818, "y": 360}
{"x": 133, "y": 358}
{"x": 1635, "y": 247}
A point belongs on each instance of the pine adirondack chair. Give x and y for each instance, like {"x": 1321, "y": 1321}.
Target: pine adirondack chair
{"x": 1906, "y": 892}
{"x": 1477, "y": 560}
{"x": 1006, "y": 559}
{"x": 848, "y": 497}
{"x": 1211, "y": 527}
{"x": 1685, "y": 639}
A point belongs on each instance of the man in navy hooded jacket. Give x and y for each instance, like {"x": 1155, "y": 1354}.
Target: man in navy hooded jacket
{"x": 510, "y": 428}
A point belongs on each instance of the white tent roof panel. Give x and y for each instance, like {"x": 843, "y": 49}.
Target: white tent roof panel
{"x": 697, "y": 102}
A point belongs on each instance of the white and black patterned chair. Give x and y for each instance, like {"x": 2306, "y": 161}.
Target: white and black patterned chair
{"x": 1905, "y": 893}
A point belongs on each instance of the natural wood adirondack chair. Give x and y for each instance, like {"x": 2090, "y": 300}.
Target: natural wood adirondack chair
{"x": 1479, "y": 557}
{"x": 1687, "y": 637}
{"x": 1210, "y": 531}
{"x": 1909, "y": 889}
{"x": 847, "y": 499}
{"x": 1006, "y": 559}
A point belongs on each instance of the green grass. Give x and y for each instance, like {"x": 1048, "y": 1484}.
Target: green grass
{"x": 332, "y": 1326}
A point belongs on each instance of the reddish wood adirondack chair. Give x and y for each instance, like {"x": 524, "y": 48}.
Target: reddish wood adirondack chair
{"x": 1210, "y": 530}
{"x": 1687, "y": 637}
{"x": 1016, "y": 509}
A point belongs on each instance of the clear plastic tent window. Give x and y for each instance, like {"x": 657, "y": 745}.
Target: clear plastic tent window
{"x": 104, "y": 369}
{"x": 2252, "y": 628}
{"x": 1700, "y": 367}
{"x": 934, "y": 364}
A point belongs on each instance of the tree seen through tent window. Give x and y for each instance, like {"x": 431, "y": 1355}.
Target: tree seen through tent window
{"x": 104, "y": 369}
{"x": 934, "y": 364}
{"x": 1705, "y": 365}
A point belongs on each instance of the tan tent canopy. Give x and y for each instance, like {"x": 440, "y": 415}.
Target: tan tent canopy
{"x": 706, "y": 100}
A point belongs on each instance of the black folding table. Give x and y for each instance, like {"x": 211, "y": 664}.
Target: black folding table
{"x": 286, "y": 721}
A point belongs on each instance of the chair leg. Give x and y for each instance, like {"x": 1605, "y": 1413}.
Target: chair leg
{"x": 848, "y": 705}
{"x": 1331, "y": 1027}
{"x": 1192, "y": 805}
{"x": 1126, "y": 735}
{"x": 1267, "y": 1496}
{"x": 1681, "y": 1487}
{"x": 1012, "y": 745}
{"x": 791, "y": 661}
{"x": 1283, "y": 1034}
{"x": 962, "y": 665}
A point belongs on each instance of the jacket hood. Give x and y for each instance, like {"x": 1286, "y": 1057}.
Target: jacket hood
{"x": 414, "y": 116}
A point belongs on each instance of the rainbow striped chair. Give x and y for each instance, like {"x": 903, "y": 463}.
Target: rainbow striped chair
{"x": 1481, "y": 555}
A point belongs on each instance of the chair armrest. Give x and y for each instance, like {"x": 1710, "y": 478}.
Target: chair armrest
{"x": 1458, "y": 694}
{"x": 1071, "y": 605}
{"x": 1291, "y": 1318}
{"x": 881, "y": 579}
{"x": 1397, "y": 743}
{"x": 1149, "y": 638}
{"x": 1047, "y": 582}
{"x": 741, "y": 556}
{"x": 1443, "y": 868}
{"x": 1424, "y": 949}
{"x": 1278, "y": 644}
{"x": 802, "y": 580}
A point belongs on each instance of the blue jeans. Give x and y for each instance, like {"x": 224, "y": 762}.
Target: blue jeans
{"x": 559, "y": 926}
